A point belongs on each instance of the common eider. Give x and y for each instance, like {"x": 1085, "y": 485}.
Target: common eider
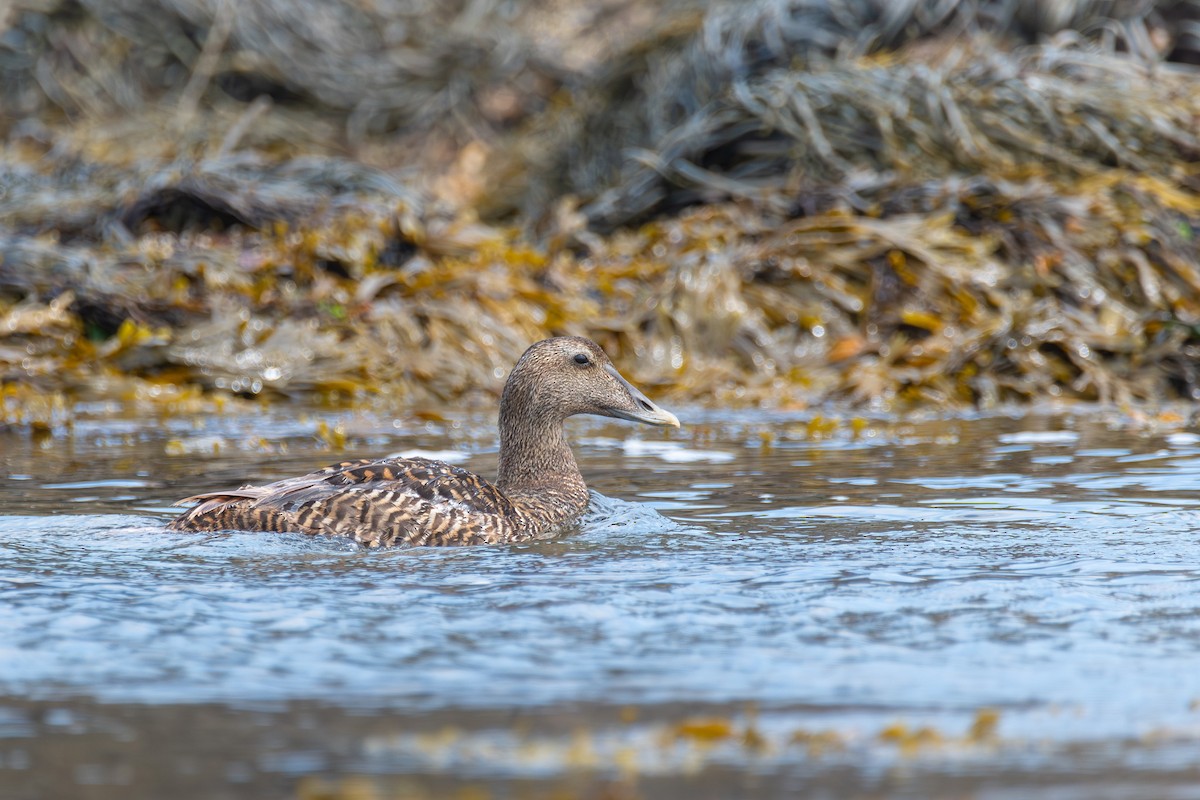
{"x": 422, "y": 502}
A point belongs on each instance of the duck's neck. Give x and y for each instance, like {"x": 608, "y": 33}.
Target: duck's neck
{"x": 534, "y": 454}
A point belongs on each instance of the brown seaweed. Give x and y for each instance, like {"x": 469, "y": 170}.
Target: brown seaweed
{"x": 888, "y": 210}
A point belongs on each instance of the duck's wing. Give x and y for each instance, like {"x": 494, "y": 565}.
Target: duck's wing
{"x": 375, "y": 501}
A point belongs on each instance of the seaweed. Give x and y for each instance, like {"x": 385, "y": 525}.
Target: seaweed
{"x": 780, "y": 203}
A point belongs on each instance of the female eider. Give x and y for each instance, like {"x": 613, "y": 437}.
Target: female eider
{"x": 422, "y": 502}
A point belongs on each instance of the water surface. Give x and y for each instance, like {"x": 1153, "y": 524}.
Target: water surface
{"x": 758, "y": 604}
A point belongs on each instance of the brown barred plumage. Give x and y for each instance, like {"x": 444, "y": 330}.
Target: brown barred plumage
{"x": 422, "y": 502}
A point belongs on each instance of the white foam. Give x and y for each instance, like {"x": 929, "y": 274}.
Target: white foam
{"x": 673, "y": 452}
{"x": 1040, "y": 437}
{"x": 1182, "y": 439}
{"x": 449, "y": 456}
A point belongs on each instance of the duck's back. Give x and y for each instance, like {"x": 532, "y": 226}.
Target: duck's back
{"x": 376, "y": 502}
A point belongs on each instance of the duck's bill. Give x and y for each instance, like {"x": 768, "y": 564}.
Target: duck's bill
{"x": 641, "y": 409}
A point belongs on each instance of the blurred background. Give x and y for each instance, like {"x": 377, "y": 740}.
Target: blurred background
{"x": 780, "y": 202}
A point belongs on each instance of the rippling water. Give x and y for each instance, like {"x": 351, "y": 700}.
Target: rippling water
{"x": 980, "y": 601}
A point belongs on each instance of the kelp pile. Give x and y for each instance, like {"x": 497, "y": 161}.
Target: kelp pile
{"x": 380, "y": 66}
{"x": 782, "y": 202}
{"x": 952, "y": 224}
{"x": 682, "y": 96}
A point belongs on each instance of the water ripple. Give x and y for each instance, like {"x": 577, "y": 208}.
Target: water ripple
{"x": 859, "y": 577}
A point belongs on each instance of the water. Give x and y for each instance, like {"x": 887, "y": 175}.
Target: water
{"x": 756, "y": 605}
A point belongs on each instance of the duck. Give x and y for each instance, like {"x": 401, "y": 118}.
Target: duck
{"x": 538, "y": 490}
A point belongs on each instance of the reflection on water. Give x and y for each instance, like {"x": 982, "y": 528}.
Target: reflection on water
{"x": 755, "y": 596}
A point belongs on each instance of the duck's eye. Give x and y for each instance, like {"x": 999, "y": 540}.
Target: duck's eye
{"x": 582, "y": 359}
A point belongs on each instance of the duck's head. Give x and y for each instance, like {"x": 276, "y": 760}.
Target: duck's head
{"x": 558, "y": 378}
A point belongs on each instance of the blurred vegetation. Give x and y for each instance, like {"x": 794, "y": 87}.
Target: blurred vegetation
{"x": 781, "y": 202}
